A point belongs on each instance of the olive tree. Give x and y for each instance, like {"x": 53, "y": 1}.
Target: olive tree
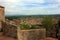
{"x": 47, "y": 22}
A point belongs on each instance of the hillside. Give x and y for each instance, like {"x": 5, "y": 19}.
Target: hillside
{"x": 35, "y": 16}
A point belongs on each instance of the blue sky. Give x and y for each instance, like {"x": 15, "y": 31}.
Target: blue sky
{"x": 31, "y": 7}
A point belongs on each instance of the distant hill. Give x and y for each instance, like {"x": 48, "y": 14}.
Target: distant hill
{"x": 23, "y": 16}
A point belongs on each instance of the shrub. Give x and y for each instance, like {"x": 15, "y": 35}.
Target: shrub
{"x": 36, "y": 27}
{"x": 24, "y": 27}
{"x": 47, "y": 22}
{"x": 33, "y": 27}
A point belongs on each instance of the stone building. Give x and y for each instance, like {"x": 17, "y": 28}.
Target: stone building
{"x": 2, "y": 16}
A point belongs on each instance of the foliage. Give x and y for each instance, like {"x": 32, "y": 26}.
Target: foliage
{"x": 59, "y": 23}
{"x": 35, "y": 27}
{"x": 24, "y": 27}
{"x": 27, "y": 27}
{"x": 47, "y": 22}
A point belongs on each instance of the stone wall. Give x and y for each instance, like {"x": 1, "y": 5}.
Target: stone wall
{"x": 2, "y": 13}
{"x": 9, "y": 30}
{"x": 33, "y": 34}
{"x": 2, "y": 16}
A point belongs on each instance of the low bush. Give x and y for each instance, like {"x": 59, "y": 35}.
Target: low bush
{"x": 24, "y": 27}
{"x": 27, "y": 27}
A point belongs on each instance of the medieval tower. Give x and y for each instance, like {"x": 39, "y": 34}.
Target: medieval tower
{"x": 2, "y": 16}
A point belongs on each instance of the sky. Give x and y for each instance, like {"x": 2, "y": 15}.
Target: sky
{"x": 31, "y": 7}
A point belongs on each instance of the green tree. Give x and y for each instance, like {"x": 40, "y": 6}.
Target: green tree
{"x": 47, "y": 22}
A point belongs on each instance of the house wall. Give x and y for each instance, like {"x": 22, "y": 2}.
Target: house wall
{"x": 2, "y": 16}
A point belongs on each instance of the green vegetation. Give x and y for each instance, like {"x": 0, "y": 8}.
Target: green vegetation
{"x": 27, "y": 27}
{"x": 28, "y": 16}
{"x": 33, "y": 27}
{"x": 24, "y": 27}
{"x": 36, "y": 27}
{"x": 59, "y": 23}
{"x": 47, "y": 22}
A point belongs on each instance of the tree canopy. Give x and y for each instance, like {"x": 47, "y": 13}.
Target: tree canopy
{"x": 47, "y": 22}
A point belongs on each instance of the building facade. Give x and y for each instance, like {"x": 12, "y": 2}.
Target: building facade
{"x": 2, "y": 16}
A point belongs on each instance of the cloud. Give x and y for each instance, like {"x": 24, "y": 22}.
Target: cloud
{"x": 1, "y": 2}
{"x": 31, "y": 6}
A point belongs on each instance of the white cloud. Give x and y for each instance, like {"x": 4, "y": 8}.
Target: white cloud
{"x": 10, "y": 3}
{"x": 1, "y": 2}
{"x": 19, "y": 6}
{"x": 34, "y": 11}
{"x": 57, "y": 0}
{"x": 33, "y": 1}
